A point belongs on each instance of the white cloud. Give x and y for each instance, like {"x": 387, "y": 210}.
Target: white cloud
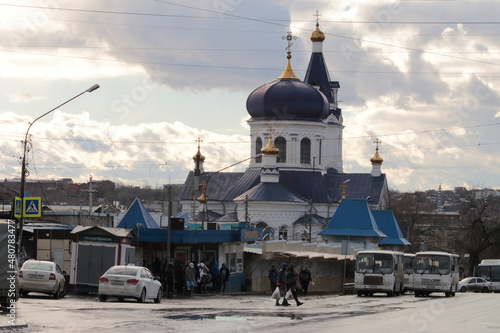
{"x": 408, "y": 84}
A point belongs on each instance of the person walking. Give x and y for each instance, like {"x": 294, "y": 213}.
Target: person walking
{"x": 305, "y": 279}
{"x": 291, "y": 283}
{"x": 224, "y": 277}
{"x": 273, "y": 277}
{"x": 281, "y": 283}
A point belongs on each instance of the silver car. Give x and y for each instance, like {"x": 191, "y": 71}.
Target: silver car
{"x": 126, "y": 281}
{"x": 475, "y": 284}
{"x": 43, "y": 277}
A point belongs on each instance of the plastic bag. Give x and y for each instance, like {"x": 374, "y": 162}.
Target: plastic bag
{"x": 276, "y": 293}
{"x": 289, "y": 294}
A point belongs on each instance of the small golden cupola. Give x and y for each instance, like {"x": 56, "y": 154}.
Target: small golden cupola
{"x": 376, "y": 160}
{"x": 198, "y": 159}
{"x": 317, "y": 35}
{"x": 270, "y": 148}
{"x": 203, "y": 198}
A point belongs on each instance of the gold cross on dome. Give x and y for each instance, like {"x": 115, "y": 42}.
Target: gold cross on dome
{"x": 199, "y": 140}
{"x": 289, "y": 38}
{"x": 271, "y": 130}
{"x": 377, "y": 142}
{"x": 318, "y": 15}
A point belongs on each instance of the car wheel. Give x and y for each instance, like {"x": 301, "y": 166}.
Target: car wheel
{"x": 120, "y": 299}
{"x": 24, "y": 293}
{"x": 158, "y": 297}
{"x": 57, "y": 295}
{"x": 103, "y": 298}
{"x": 142, "y": 298}
{"x": 64, "y": 290}
{"x": 486, "y": 290}
{"x": 463, "y": 289}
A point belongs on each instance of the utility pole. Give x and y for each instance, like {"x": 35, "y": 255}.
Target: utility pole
{"x": 169, "y": 219}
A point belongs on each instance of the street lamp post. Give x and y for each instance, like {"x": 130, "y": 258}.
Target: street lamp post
{"x": 23, "y": 164}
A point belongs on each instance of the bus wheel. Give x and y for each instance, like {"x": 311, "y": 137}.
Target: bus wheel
{"x": 360, "y": 293}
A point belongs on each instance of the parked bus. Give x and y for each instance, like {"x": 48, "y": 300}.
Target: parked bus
{"x": 489, "y": 269}
{"x": 379, "y": 271}
{"x": 435, "y": 272}
{"x": 409, "y": 259}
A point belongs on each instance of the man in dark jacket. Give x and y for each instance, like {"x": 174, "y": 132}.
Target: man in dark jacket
{"x": 273, "y": 277}
{"x": 282, "y": 285}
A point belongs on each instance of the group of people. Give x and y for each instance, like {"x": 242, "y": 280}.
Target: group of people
{"x": 188, "y": 278}
{"x": 286, "y": 281}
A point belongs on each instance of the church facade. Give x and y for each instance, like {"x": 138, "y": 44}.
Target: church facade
{"x": 295, "y": 178}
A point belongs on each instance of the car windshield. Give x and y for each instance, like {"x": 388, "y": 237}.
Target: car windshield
{"x": 379, "y": 263}
{"x": 123, "y": 271}
{"x": 41, "y": 266}
{"x": 432, "y": 264}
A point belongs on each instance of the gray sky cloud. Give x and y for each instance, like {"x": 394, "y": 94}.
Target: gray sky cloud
{"x": 170, "y": 71}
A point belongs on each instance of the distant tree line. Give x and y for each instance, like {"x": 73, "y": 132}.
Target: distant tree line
{"x": 469, "y": 226}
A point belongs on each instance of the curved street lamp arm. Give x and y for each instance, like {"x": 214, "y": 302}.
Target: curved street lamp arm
{"x": 23, "y": 163}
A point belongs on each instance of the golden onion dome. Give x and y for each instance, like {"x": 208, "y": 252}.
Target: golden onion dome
{"x": 202, "y": 198}
{"x": 198, "y": 157}
{"x": 376, "y": 159}
{"x": 317, "y": 35}
{"x": 270, "y": 149}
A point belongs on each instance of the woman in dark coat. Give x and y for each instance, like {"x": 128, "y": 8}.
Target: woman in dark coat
{"x": 305, "y": 279}
{"x": 291, "y": 283}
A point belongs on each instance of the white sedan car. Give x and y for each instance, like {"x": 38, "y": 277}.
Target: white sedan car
{"x": 43, "y": 277}
{"x": 126, "y": 281}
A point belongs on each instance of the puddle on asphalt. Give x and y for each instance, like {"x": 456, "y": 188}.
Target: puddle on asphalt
{"x": 230, "y": 316}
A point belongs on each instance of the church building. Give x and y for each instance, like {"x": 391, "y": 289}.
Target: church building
{"x": 295, "y": 178}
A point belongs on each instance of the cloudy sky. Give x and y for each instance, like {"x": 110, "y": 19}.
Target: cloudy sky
{"x": 421, "y": 76}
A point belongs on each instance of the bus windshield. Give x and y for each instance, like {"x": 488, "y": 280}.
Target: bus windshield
{"x": 490, "y": 273}
{"x": 378, "y": 263}
{"x": 432, "y": 264}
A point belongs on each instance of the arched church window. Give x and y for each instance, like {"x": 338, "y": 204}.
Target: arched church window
{"x": 258, "y": 148}
{"x": 280, "y": 143}
{"x": 305, "y": 151}
{"x": 283, "y": 232}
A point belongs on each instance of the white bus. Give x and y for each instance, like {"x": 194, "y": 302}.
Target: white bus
{"x": 409, "y": 259}
{"x": 379, "y": 271}
{"x": 489, "y": 269}
{"x": 435, "y": 272}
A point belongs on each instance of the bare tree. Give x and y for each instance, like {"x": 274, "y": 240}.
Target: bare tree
{"x": 479, "y": 228}
{"x": 411, "y": 211}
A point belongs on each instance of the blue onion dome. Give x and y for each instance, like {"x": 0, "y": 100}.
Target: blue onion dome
{"x": 287, "y": 98}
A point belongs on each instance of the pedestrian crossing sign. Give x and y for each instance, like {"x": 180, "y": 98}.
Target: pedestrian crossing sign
{"x": 32, "y": 207}
{"x": 17, "y": 207}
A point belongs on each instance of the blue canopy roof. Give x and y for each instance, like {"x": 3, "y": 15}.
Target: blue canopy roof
{"x": 136, "y": 214}
{"x": 353, "y": 218}
{"x": 389, "y": 226}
